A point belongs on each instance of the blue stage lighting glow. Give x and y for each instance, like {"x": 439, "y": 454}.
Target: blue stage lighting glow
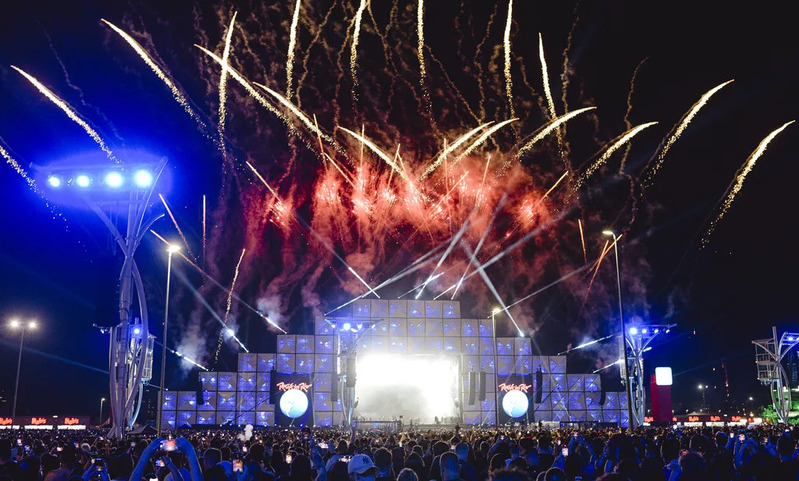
{"x": 644, "y": 331}
{"x": 54, "y": 181}
{"x": 346, "y": 326}
{"x": 229, "y": 332}
{"x": 143, "y": 178}
{"x": 633, "y": 331}
{"x": 136, "y": 331}
{"x": 791, "y": 338}
{"x": 359, "y": 326}
{"x": 113, "y": 179}
{"x": 83, "y": 180}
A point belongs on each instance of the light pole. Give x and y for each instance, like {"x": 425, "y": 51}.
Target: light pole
{"x": 16, "y": 324}
{"x": 494, "y": 313}
{"x": 704, "y": 405}
{"x": 171, "y": 249}
{"x": 630, "y": 420}
{"x": 102, "y": 400}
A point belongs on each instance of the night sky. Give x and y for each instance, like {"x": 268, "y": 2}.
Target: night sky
{"x": 55, "y": 265}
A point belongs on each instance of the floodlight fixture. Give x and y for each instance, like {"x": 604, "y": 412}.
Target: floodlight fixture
{"x": 114, "y": 180}
{"x": 83, "y": 180}
{"x": 143, "y": 178}
{"x": 54, "y": 181}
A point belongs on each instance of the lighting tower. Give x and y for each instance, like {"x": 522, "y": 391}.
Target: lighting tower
{"x": 768, "y": 357}
{"x": 119, "y": 194}
{"x": 638, "y": 338}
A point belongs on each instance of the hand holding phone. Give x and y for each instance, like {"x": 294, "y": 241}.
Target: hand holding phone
{"x": 238, "y": 466}
{"x": 288, "y": 458}
{"x": 564, "y": 452}
{"x": 169, "y": 445}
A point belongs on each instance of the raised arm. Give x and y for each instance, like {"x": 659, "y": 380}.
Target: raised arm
{"x": 138, "y": 471}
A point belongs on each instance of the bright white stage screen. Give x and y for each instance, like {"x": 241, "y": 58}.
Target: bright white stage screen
{"x": 416, "y": 386}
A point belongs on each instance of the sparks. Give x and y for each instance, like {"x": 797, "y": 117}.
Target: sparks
{"x": 223, "y": 82}
{"x": 549, "y": 127}
{"x": 506, "y": 42}
{"x": 155, "y": 68}
{"x": 69, "y": 111}
{"x": 292, "y": 45}
{"x": 355, "y": 38}
{"x": 675, "y": 134}
{"x": 614, "y": 146}
{"x": 738, "y": 183}
{"x": 420, "y": 39}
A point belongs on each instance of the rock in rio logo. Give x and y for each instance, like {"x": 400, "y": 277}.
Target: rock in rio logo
{"x": 287, "y": 386}
{"x": 515, "y": 387}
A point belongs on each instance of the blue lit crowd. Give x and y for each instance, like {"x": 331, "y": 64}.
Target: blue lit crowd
{"x": 762, "y": 453}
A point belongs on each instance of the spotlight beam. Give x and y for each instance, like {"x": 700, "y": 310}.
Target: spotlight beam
{"x": 219, "y": 285}
{"x": 586, "y": 344}
{"x": 200, "y": 297}
{"x": 182, "y": 356}
{"x": 446, "y": 254}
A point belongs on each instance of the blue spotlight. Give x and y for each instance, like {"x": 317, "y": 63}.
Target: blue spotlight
{"x": 143, "y": 178}
{"x": 113, "y": 179}
{"x": 790, "y": 338}
{"x": 633, "y": 331}
{"x": 644, "y": 331}
{"x": 359, "y": 326}
{"x": 83, "y": 181}
{"x": 229, "y": 332}
{"x": 136, "y": 331}
{"x": 346, "y": 326}
{"x": 54, "y": 181}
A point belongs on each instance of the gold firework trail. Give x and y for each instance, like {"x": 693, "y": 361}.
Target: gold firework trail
{"x": 227, "y": 307}
{"x": 174, "y": 221}
{"x": 300, "y": 115}
{"x": 69, "y": 111}
{"x": 155, "y": 68}
{"x": 223, "y": 83}
{"x": 355, "y": 37}
{"x": 420, "y": 39}
{"x": 582, "y": 240}
{"x": 448, "y": 150}
{"x": 549, "y": 127}
{"x": 506, "y": 41}
{"x": 18, "y": 168}
{"x": 292, "y": 45}
{"x": 244, "y": 83}
{"x": 627, "y": 122}
{"x": 545, "y": 78}
{"x": 482, "y": 139}
{"x": 621, "y": 140}
{"x": 374, "y": 148}
{"x": 681, "y": 128}
{"x": 738, "y": 183}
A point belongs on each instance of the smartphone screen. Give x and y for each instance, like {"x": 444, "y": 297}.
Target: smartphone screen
{"x": 288, "y": 459}
{"x": 732, "y": 435}
{"x": 238, "y": 465}
{"x": 170, "y": 445}
{"x": 564, "y": 452}
{"x": 741, "y": 437}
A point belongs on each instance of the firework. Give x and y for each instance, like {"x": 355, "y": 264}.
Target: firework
{"x": 228, "y": 305}
{"x": 223, "y": 83}
{"x": 680, "y": 128}
{"x": 179, "y": 97}
{"x": 482, "y": 139}
{"x": 292, "y": 46}
{"x": 506, "y": 43}
{"x": 582, "y": 240}
{"x": 175, "y": 222}
{"x": 420, "y": 39}
{"x": 451, "y": 148}
{"x": 356, "y": 35}
{"x": 614, "y": 146}
{"x": 550, "y": 126}
{"x": 300, "y": 115}
{"x": 18, "y": 168}
{"x": 738, "y": 182}
{"x": 69, "y": 111}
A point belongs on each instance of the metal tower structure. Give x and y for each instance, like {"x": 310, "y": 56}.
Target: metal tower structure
{"x": 769, "y": 354}
{"x": 638, "y": 339}
{"x": 120, "y": 196}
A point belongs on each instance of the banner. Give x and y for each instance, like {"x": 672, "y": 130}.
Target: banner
{"x": 292, "y": 395}
{"x": 515, "y": 397}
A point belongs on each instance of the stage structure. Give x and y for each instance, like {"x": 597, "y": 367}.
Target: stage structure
{"x": 769, "y": 354}
{"x": 639, "y": 337}
{"x": 365, "y": 364}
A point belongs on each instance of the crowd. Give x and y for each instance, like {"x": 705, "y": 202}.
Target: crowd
{"x": 762, "y": 453}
